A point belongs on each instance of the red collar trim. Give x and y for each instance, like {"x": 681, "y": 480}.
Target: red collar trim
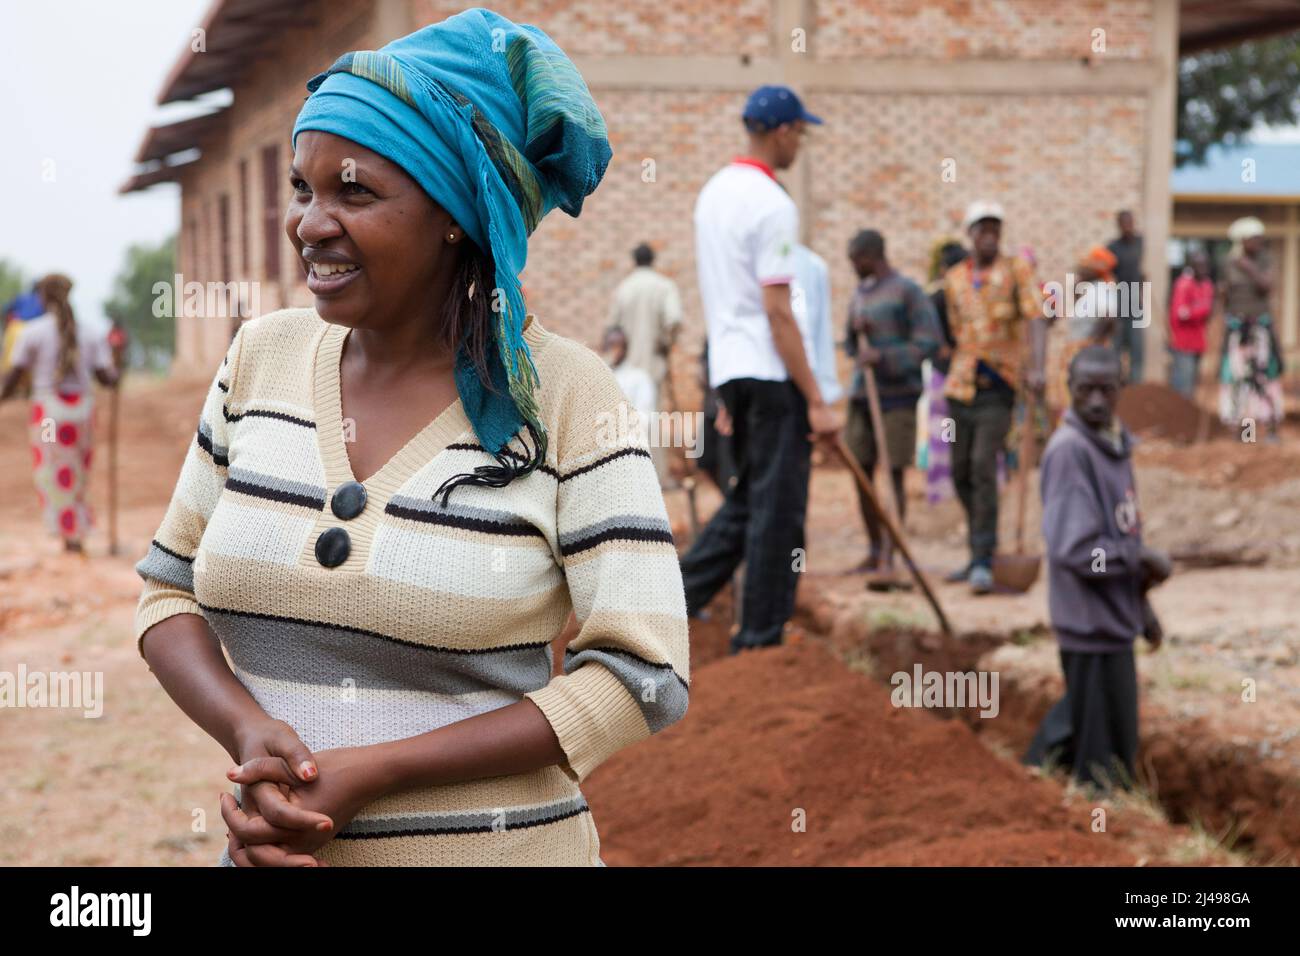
{"x": 757, "y": 164}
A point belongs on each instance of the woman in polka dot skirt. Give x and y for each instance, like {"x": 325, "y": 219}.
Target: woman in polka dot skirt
{"x": 62, "y": 357}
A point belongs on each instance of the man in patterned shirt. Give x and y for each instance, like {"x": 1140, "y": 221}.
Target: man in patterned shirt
{"x": 991, "y": 299}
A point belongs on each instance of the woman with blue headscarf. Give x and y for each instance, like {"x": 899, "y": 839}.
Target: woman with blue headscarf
{"x": 395, "y": 499}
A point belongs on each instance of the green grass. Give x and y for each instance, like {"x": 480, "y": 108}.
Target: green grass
{"x": 891, "y": 619}
{"x": 1025, "y": 636}
{"x": 860, "y": 661}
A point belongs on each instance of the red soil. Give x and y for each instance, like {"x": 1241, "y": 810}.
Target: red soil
{"x": 772, "y": 732}
{"x": 1156, "y": 409}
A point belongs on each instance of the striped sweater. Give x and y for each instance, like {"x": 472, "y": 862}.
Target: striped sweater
{"x": 434, "y": 615}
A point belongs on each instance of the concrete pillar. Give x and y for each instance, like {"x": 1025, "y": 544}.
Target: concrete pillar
{"x": 1162, "y": 104}
{"x": 1287, "y": 321}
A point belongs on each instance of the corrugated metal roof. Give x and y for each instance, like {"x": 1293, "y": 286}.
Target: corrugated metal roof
{"x": 1248, "y": 170}
{"x": 1206, "y": 24}
{"x": 162, "y": 141}
{"x": 155, "y": 174}
{"x": 235, "y": 33}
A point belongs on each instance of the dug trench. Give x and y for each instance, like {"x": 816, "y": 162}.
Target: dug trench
{"x": 1197, "y": 775}
{"x": 794, "y": 756}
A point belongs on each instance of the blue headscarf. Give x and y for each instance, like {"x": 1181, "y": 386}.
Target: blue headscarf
{"x": 497, "y": 126}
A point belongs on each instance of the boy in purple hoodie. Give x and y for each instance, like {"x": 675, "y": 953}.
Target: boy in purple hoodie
{"x": 1098, "y": 574}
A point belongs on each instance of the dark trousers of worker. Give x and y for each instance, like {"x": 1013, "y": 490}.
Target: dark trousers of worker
{"x": 761, "y": 519}
{"x": 860, "y": 437}
{"x": 1130, "y": 340}
{"x": 1093, "y": 729}
{"x": 715, "y": 458}
{"x": 1184, "y": 372}
{"x": 979, "y": 433}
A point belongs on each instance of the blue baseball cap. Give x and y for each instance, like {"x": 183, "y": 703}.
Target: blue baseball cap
{"x": 774, "y": 105}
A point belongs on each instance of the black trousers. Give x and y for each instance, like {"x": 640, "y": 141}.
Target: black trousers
{"x": 761, "y": 520}
{"x": 1093, "y": 729}
{"x": 980, "y": 433}
{"x": 715, "y": 448}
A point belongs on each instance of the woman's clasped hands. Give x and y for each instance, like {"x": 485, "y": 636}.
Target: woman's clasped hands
{"x": 293, "y": 801}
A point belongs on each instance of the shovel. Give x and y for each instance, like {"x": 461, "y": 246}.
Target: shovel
{"x": 892, "y": 530}
{"x": 883, "y": 579}
{"x": 1017, "y": 572}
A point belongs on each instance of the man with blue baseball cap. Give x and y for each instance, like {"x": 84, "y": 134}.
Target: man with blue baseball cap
{"x": 773, "y": 106}
{"x": 746, "y": 236}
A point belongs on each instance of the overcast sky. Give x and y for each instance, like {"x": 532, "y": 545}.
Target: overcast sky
{"x": 78, "y": 88}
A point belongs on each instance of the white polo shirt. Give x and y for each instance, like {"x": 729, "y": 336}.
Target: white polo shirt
{"x": 746, "y": 229}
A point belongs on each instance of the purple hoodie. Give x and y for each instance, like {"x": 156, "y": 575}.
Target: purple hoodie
{"x": 1093, "y": 532}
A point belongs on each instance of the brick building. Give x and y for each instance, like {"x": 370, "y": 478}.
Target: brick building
{"x": 1061, "y": 109}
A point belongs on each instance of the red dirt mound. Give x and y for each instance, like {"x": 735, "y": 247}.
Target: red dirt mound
{"x": 770, "y": 733}
{"x": 1154, "y": 409}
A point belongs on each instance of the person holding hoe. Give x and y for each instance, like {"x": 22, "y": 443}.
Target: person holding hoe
{"x": 892, "y": 330}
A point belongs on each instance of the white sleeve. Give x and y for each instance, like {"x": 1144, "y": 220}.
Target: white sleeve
{"x": 777, "y": 234}
{"x": 167, "y": 569}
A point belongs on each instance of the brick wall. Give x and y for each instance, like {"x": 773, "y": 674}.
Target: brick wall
{"x": 574, "y": 264}
{"x": 961, "y": 29}
{"x": 610, "y": 27}
{"x": 1061, "y": 163}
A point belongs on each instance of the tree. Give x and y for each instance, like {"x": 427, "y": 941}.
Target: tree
{"x": 1224, "y": 93}
{"x": 152, "y": 338}
{"x": 12, "y": 283}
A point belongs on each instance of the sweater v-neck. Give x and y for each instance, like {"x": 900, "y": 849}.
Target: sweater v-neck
{"x": 419, "y": 450}
{"x": 424, "y": 445}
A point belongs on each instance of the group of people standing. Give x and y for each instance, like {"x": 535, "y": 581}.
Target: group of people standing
{"x": 985, "y": 346}
{"x": 1109, "y": 309}
{"x": 1249, "y": 371}
{"x": 968, "y": 349}
{"x": 772, "y": 381}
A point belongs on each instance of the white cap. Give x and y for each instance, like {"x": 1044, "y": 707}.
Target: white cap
{"x": 1246, "y": 227}
{"x": 981, "y": 209}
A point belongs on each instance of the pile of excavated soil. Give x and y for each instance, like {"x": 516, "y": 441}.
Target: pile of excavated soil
{"x": 790, "y": 733}
{"x": 1155, "y": 409}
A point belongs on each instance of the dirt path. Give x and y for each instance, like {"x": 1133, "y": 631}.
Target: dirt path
{"x": 139, "y": 784}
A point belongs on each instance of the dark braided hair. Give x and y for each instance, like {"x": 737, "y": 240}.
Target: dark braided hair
{"x": 53, "y": 290}
{"x": 469, "y": 328}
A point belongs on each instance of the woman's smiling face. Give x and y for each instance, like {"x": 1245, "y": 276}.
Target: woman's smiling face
{"x": 373, "y": 246}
